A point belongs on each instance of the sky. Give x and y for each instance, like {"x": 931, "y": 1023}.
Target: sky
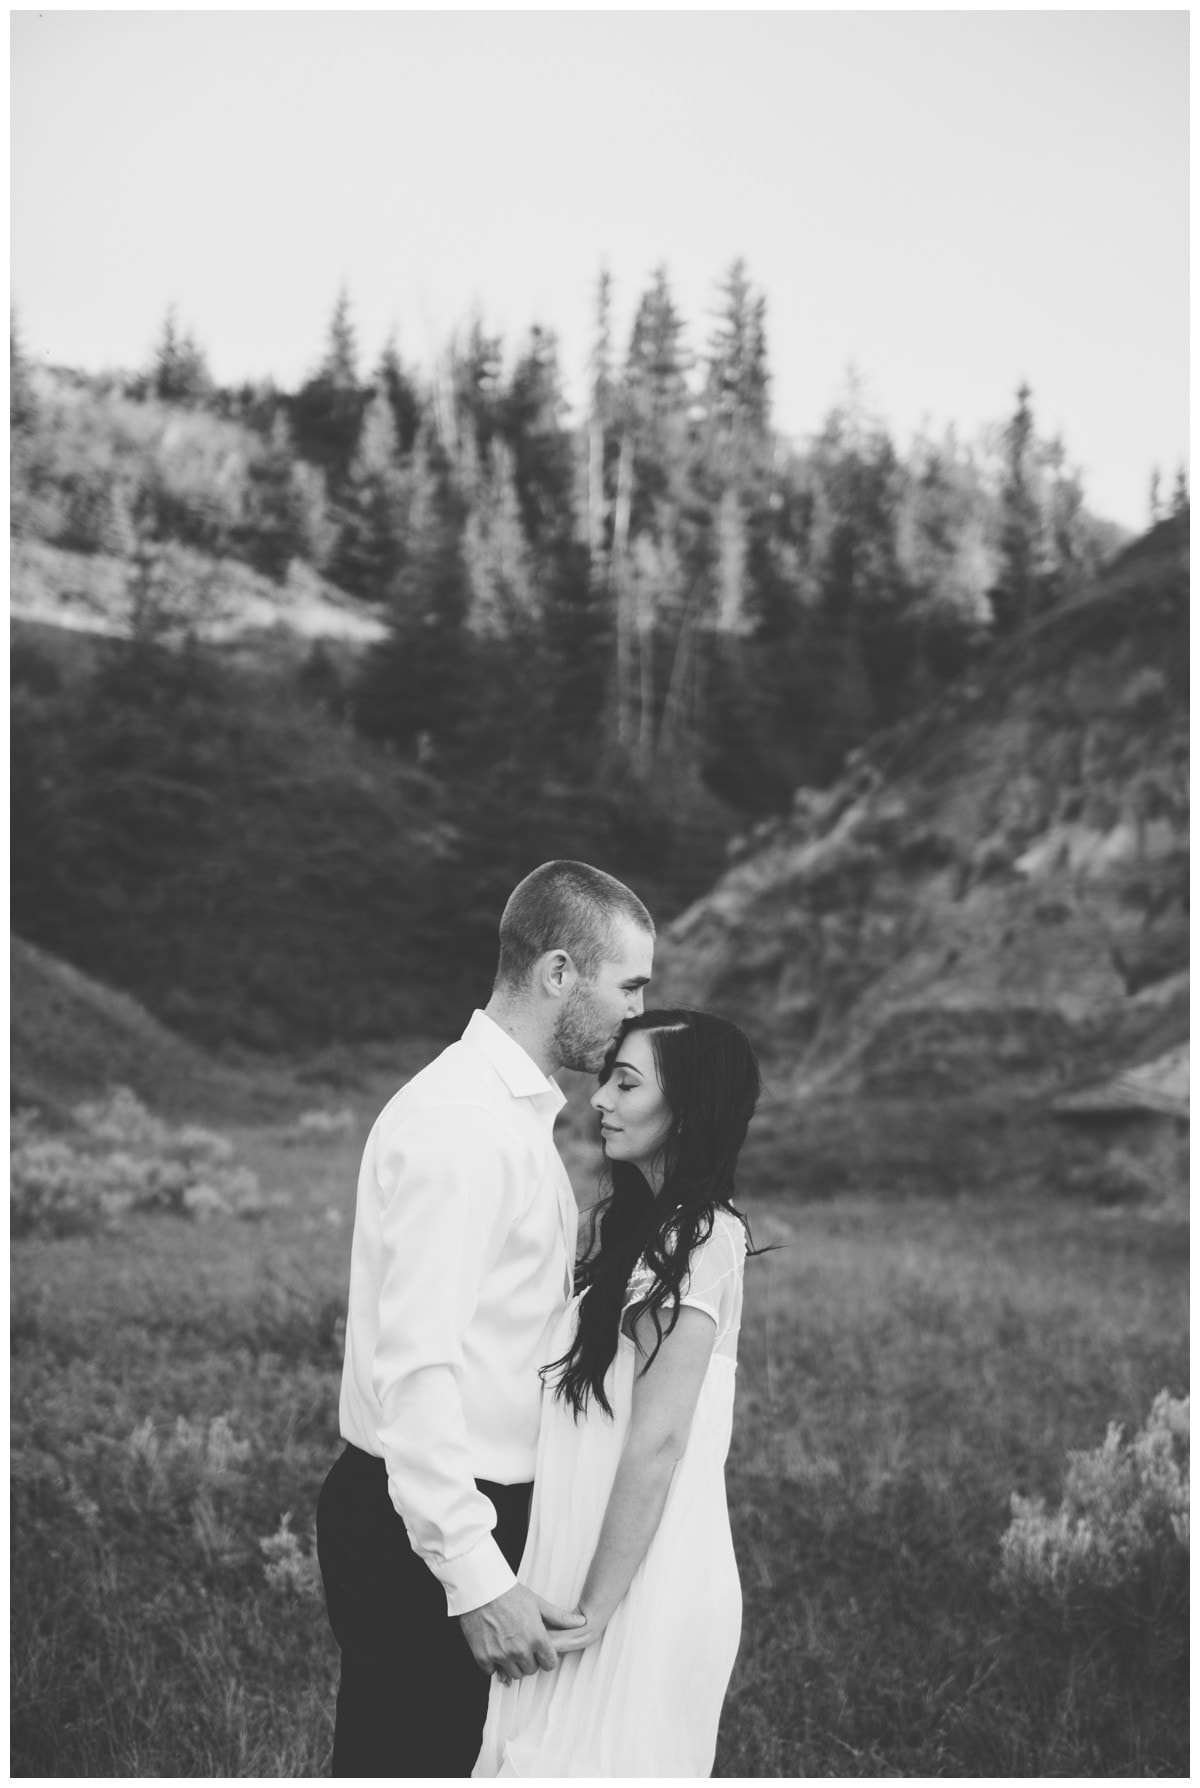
{"x": 949, "y": 202}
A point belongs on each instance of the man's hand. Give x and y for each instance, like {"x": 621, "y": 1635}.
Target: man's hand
{"x": 508, "y": 1637}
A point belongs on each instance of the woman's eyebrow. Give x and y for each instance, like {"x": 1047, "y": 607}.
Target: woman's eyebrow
{"x": 629, "y": 1068}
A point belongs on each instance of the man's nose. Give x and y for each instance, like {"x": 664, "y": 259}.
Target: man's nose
{"x": 636, "y": 1004}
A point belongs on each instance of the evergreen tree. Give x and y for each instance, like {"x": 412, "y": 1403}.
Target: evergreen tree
{"x": 531, "y": 416}
{"x": 1155, "y": 496}
{"x": 1014, "y": 595}
{"x": 737, "y": 439}
{"x": 327, "y": 411}
{"x": 22, "y": 426}
{"x": 417, "y": 688}
{"x": 599, "y": 428}
{"x": 402, "y": 396}
{"x": 942, "y": 526}
{"x": 1068, "y": 560}
{"x": 179, "y": 372}
{"x": 651, "y": 573}
{"x": 476, "y": 383}
{"x": 1181, "y": 496}
{"x": 655, "y": 400}
{"x": 867, "y": 632}
{"x": 22, "y": 405}
{"x": 372, "y": 512}
{"x": 272, "y": 530}
{"x": 737, "y": 382}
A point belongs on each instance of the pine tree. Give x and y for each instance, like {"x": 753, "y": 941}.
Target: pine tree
{"x": 737, "y": 380}
{"x": 23, "y": 436}
{"x": 418, "y": 687}
{"x": 1014, "y": 595}
{"x": 372, "y": 509}
{"x": 650, "y": 548}
{"x": 272, "y": 531}
{"x": 1068, "y": 559}
{"x": 179, "y": 372}
{"x": 531, "y": 418}
{"x": 476, "y": 384}
{"x": 22, "y": 405}
{"x": 340, "y": 365}
{"x": 1181, "y": 496}
{"x": 327, "y": 411}
{"x": 402, "y": 395}
{"x": 599, "y": 425}
{"x": 737, "y": 439}
{"x": 943, "y": 509}
{"x": 1155, "y": 496}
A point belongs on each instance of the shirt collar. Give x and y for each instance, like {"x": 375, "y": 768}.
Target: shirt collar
{"x": 515, "y": 1066}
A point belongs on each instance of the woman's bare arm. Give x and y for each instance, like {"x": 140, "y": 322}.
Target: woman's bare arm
{"x": 664, "y": 1402}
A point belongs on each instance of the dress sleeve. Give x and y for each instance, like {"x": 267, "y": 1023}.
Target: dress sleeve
{"x": 714, "y": 1268}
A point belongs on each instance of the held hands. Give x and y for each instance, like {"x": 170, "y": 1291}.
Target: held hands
{"x": 578, "y": 1636}
{"x": 508, "y": 1637}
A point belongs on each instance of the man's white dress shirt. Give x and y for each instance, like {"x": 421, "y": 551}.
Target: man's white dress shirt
{"x": 461, "y": 1265}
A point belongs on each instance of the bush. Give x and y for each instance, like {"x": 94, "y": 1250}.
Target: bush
{"x": 124, "y": 1159}
{"x": 1100, "y": 1585}
{"x": 290, "y": 1566}
{"x": 1124, "y": 1508}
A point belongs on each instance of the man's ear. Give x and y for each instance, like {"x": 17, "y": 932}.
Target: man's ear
{"x": 557, "y": 973}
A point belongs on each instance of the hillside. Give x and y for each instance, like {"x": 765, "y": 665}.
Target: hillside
{"x": 89, "y": 592}
{"x": 989, "y": 906}
{"x": 71, "y": 1036}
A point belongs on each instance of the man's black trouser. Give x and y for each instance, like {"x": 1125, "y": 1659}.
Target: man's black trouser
{"x": 412, "y": 1700}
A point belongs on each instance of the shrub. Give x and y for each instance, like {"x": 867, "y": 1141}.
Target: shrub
{"x": 1101, "y": 1583}
{"x": 122, "y": 1159}
{"x": 1124, "y": 1508}
{"x": 291, "y": 1567}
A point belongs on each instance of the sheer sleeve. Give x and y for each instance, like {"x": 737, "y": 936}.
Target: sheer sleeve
{"x": 713, "y": 1282}
{"x": 715, "y": 1271}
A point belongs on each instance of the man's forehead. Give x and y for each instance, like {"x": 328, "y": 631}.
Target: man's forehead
{"x": 633, "y": 949}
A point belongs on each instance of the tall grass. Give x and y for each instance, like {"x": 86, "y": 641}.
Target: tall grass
{"x": 906, "y": 1368}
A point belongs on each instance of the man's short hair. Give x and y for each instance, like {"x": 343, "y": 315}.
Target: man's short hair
{"x": 565, "y": 906}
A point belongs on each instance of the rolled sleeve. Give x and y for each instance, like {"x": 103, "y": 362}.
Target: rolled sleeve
{"x": 448, "y": 1183}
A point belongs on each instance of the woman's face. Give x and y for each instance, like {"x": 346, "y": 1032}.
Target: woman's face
{"x": 634, "y": 1115}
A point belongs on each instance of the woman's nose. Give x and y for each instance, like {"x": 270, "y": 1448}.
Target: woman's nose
{"x": 600, "y": 1100}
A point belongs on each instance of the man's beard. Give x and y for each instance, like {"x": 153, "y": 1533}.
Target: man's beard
{"x": 579, "y": 1041}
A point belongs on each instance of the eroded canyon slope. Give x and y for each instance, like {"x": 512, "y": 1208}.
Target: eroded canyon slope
{"x": 989, "y": 907}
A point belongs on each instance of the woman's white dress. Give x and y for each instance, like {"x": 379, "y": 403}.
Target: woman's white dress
{"x": 645, "y": 1699}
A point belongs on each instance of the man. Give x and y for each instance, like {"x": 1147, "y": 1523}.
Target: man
{"x": 461, "y": 1265}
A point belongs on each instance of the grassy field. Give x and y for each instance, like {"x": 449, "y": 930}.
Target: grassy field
{"x": 905, "y": 1367}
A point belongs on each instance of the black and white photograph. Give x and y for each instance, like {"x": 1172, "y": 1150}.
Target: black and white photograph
{"x": 599, "y": 845}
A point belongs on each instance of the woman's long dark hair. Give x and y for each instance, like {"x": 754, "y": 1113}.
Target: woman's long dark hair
{"x": 711, "y": 1083}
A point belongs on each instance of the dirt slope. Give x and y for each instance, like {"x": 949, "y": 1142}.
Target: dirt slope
{"x": 992, "y": 903}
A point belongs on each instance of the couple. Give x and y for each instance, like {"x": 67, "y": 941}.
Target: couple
{"x": 604, "y": 1607}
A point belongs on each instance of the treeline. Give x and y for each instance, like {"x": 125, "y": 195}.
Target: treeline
{"x": 621, "y": 636}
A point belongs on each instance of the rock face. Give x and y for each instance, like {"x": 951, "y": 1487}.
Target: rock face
{"x": 992, "y": 903}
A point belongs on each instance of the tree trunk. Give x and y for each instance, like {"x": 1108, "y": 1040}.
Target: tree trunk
{"x": 620, "y": 583}
{"x": 645, "y": 638}
{"x": 731, "y": 555}
{"x": 595, "y": 493}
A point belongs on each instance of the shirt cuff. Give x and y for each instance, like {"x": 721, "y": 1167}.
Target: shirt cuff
{"x": 477, "y": 1577}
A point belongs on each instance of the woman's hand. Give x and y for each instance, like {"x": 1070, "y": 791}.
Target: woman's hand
{"x": 578, "y": 1638}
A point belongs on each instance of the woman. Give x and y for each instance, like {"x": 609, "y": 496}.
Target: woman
{"x": 629, "y": 1523}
